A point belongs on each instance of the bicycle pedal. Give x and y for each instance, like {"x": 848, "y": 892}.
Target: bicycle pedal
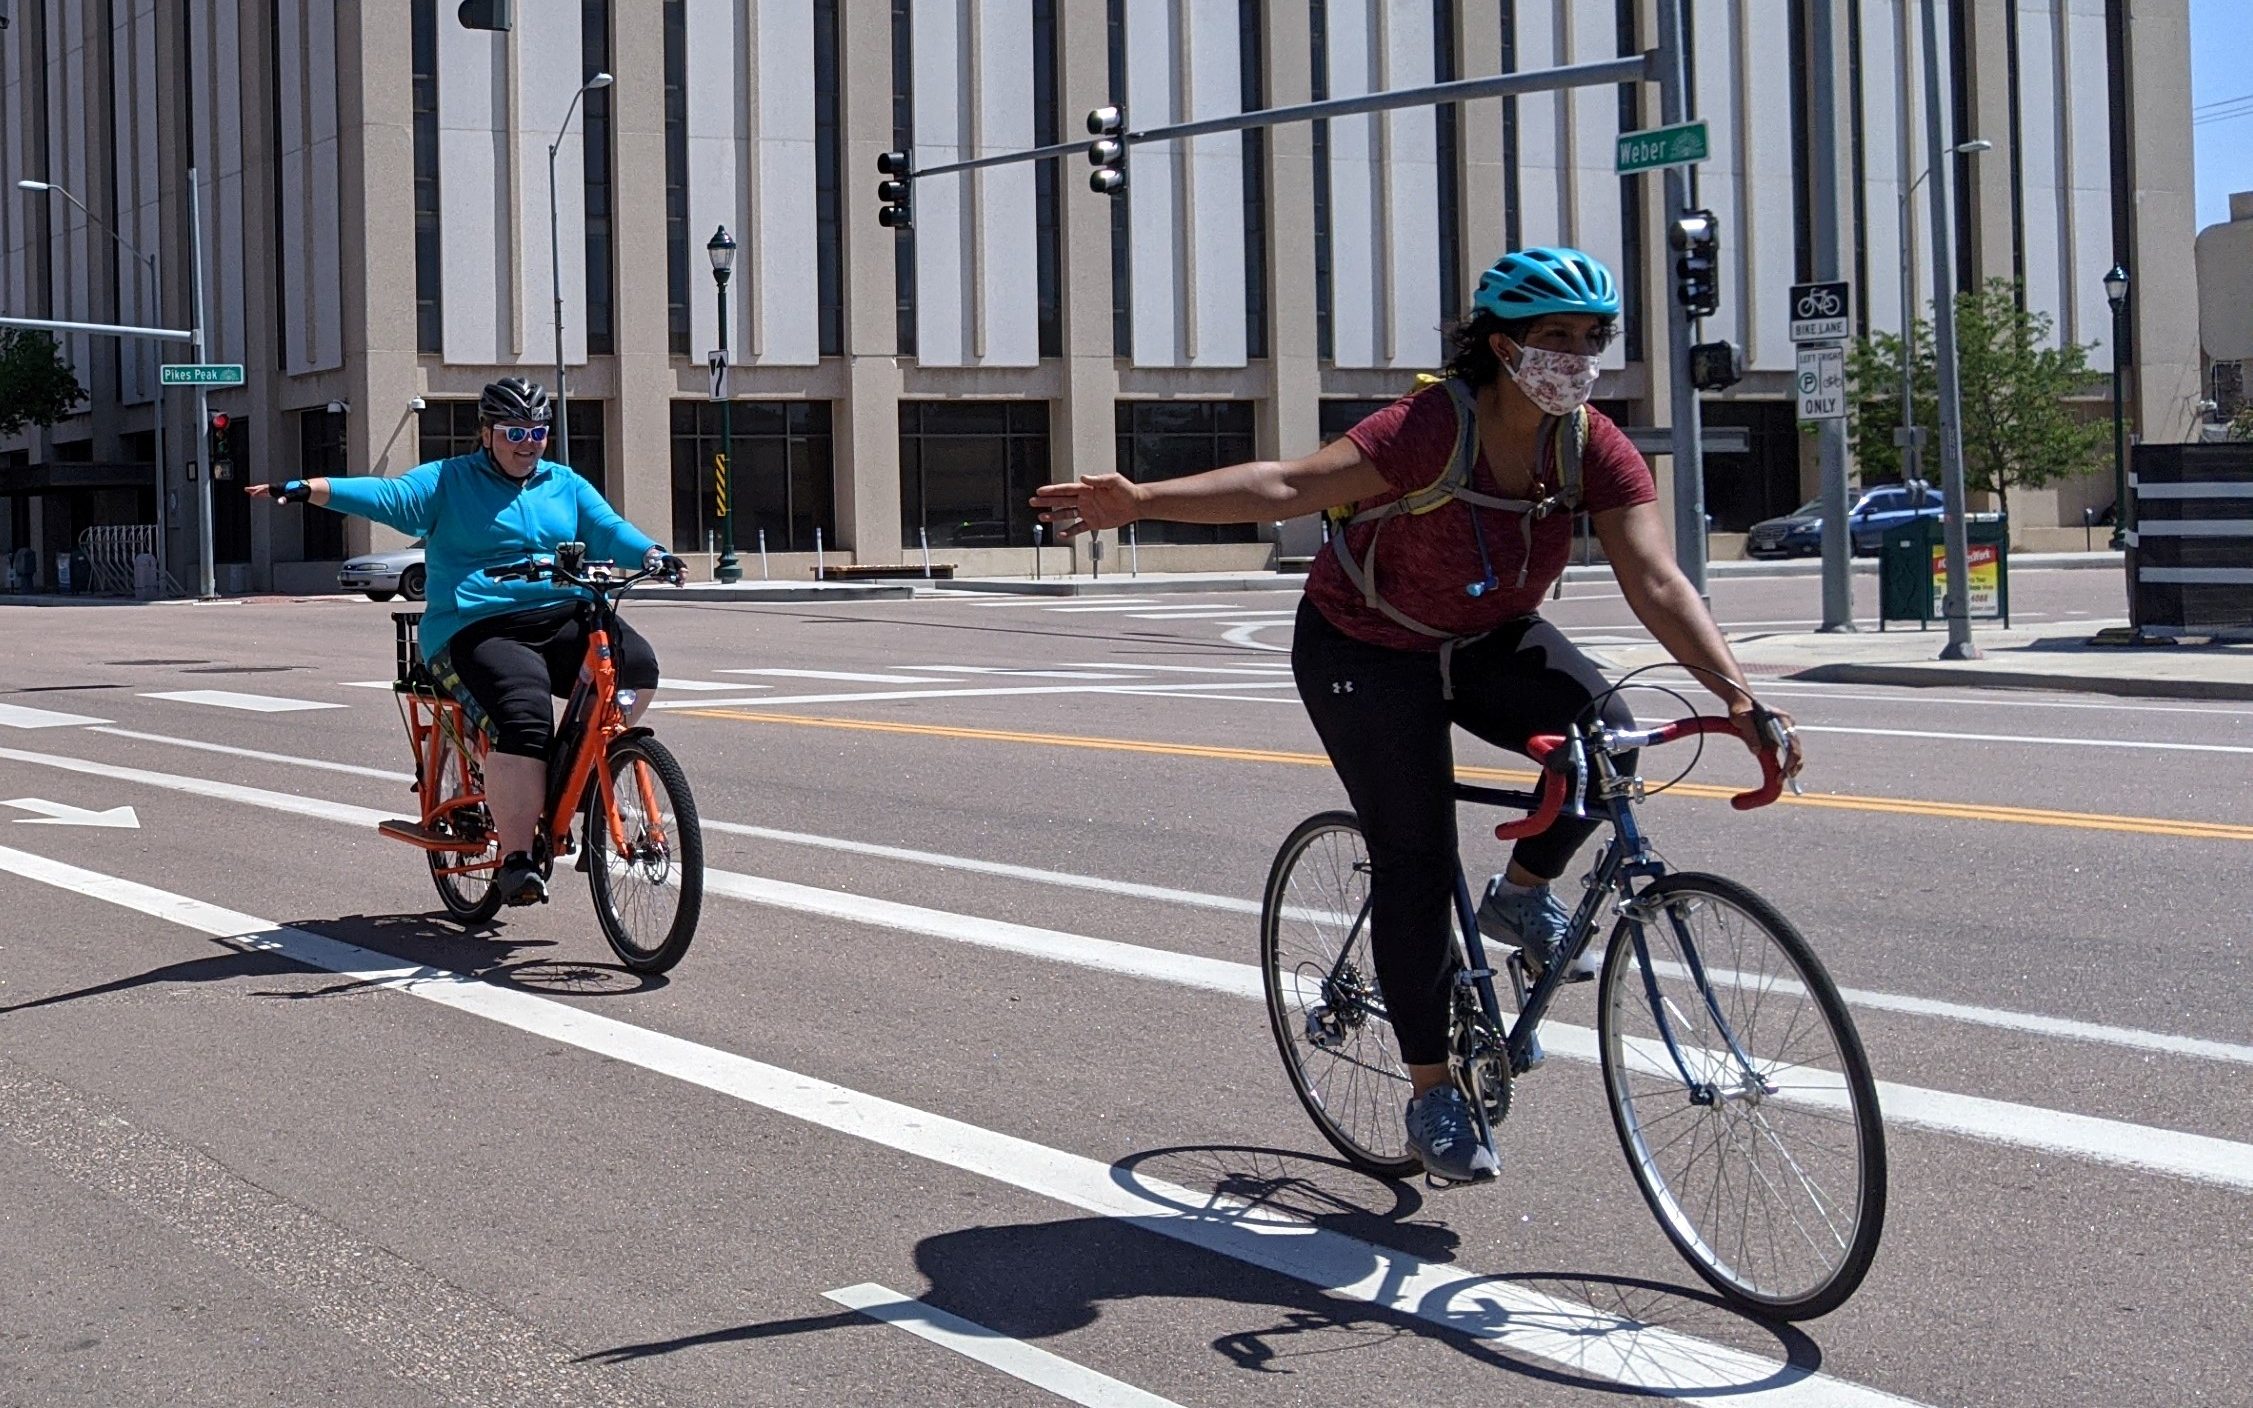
{"x": 1438, "y": 1184}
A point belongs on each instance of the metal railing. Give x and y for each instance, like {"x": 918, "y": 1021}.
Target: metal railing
{"x": 111, "y": 554}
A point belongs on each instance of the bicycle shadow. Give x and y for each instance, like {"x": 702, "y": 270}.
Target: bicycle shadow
{"x": 1217, "y": 1213}
{"x": 488, "y": 952}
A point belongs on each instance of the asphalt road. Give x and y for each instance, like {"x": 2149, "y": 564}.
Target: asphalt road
{"x": 896, "y": 1133}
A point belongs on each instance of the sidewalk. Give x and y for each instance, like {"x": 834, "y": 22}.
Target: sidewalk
{"x": 2050, "y": 657}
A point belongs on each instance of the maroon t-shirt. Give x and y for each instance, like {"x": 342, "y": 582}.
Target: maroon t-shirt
{"x": 1425, "y": 560}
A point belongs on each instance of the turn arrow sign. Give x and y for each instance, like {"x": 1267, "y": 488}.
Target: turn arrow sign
{"x": 62, "y": 814}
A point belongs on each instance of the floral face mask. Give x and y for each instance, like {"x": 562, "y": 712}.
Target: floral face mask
{"x": 1558, "y": 382}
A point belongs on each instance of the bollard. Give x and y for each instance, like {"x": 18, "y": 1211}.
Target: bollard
{"x": 1134, "y": 552}
{"x": 1095, "y": 555}
{"x": 923, "y": 535}
{"x": 762, "y": 554}
{"x": 819, "y": 565}
{"x": 1039, "y": 532}
{"x": 2088, "y": 529}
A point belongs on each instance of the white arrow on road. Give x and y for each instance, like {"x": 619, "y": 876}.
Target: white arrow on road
{"x": 63, "y": 814}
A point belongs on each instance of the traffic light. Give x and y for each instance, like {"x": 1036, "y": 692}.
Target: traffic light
{"x": 896, "y": 191}
{"x": 222, "y": 438}
{"x": 1716, "y": 366}
{"x": 1696, "y": 238}
{"x": 483, "y": 14}
{"x": 1107, "y": 154}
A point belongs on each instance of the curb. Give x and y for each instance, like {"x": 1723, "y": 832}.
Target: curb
{"x": 1961, "y": 676}
{"x": 701, "y": 594}
{"x": 1130, "y": 586}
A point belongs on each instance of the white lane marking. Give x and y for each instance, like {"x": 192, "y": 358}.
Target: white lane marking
{"x": 993, "y": 692}
{"x": 2139, "y": 743}
{"x": 1224, "y": 698}
{"x": 1114, "y": 607}
{"x": 2165, "y": 1043}
{"x": 1524, "y": 1321}
{"x": 319, "y": 764}
{"x": 1222, "y": 615}
{"x": 248, "y": 703}
{"x": 64, "y": 814}
{"x": 668, "y": 682}
{"x": 2144, "y": 1147}
{"x": 845, "y": 676}
{"x": 1065, "y": 674}
{"x": 370, "y": 684}
{"x": 1265, "y": 671}
{"x": 1019, "y": 1360}
{"x": 1246, "y": 636}
{"x": 23, "y": 716}
{"x": 1910, "y": 694}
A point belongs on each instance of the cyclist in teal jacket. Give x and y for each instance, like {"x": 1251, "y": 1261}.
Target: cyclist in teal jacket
{"x": 504, "y": 649}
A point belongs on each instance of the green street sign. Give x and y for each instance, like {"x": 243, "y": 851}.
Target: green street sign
{"x": 202, "y": 374}
{"x": 1663, "y": 146}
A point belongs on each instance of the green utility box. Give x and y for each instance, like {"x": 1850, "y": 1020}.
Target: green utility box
{"x": 1913, "y": 570}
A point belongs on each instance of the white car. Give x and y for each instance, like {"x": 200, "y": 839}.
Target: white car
{"x": 383, "y": 575}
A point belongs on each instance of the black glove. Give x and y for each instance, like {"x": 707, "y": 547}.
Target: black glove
{"x": 295, "y": 491}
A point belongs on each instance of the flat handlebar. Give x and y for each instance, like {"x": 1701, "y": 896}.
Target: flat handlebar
{"x": 1563, "y": 761}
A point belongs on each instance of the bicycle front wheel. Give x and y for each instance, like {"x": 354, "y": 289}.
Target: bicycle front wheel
{"x": 1744, "y": 1102}
{"x": 648, "y": 879}
{"x": 464, "y": 878}
{"x": 1322, "y": 998}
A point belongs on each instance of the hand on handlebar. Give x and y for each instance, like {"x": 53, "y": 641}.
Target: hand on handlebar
{"x": 1769, "y": 731}
{"x": 666, "y": 566}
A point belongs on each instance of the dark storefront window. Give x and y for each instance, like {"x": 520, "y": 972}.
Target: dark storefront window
{"x": 1251, "y": 59}
{"x": 967, "y": 469}
{"x": 1325, "y": 327}
{"x": 1122, "y": 265}
{"x": 430, "y": 275}
{"x": 1168, "y": 439}
{"x": 783, "y": 475}
{"x": 445, "y": 429}
{"x": 829, "y": 214}
{"x": 594, "y": 51}
{"x": 1340, "y": 414}
{"x": 1048, "y": 218}
{"x": 903, "y": 139}
{"x": 589, "y": 445}
{"x": 1740, "y": 490}
{"x": 320, "y": 454}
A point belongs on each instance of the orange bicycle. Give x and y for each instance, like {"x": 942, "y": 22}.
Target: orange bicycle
{"x": 643, "y": 849}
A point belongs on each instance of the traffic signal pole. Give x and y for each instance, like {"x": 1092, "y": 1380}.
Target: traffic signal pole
{"x": 208, "y": 576}
{"x": 1838, "y": 546}
{"x": 1670, "y": 60}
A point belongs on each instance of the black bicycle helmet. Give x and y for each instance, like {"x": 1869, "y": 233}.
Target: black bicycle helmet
{"x": 514, "y": 399}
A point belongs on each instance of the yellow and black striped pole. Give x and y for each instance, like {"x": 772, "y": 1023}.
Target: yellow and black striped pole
{"x": 720, "y": 481}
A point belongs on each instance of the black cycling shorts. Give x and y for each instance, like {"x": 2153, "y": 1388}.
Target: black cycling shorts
{"x": 506, "y": 670}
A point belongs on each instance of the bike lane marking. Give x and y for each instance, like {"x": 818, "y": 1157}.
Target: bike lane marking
{"x": 1019, "y": 1360}
{"x": 1682, "y": 1367}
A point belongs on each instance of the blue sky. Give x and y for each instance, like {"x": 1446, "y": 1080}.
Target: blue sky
{"x": 2221, "y": 35}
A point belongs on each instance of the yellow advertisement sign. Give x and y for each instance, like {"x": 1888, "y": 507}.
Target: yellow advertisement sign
{"x": 1984, "y": 561}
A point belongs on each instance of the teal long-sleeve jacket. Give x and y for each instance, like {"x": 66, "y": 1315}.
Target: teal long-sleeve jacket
{"x": 471, "y": 516}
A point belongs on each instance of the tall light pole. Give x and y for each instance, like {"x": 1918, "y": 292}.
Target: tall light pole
{"x": 156, "y": 295}
{"x": 722, "y": 249}
{"x": 555, "y": 270}
{"x": 1911, "y": 439}
{"x": 2116, "y": 293}
{"x": 1958, "y": 549}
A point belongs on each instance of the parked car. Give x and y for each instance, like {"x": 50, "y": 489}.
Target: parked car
{"x": 383, "y": 575}
{"x": 1869, "y": 516}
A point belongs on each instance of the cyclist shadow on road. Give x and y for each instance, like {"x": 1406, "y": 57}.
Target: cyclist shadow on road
{"x": 1216, "y": 1212}
{"x": 491, "y": 953}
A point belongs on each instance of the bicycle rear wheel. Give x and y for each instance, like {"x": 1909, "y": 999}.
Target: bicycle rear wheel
{"x": 1322, "y": 1000}
{"x": 649, "y": 891}
{"x": 464, "y": 878}
{"x": 1756, "y": 1138}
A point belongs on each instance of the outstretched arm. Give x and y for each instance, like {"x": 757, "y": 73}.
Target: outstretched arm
{"x": 1258, "y": 491}
{"x": 404, "y": 502}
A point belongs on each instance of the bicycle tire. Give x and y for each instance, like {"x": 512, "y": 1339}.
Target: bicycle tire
{"x": 468, "y": 896}
{"x": 1824, "y": 1096}
{"x": 637, "y": 882}
{"x": 1358, "y": 1094}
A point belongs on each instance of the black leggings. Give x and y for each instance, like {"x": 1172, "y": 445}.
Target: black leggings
{"x": 505, "y": 669}
{"x": 1384, "y": 720}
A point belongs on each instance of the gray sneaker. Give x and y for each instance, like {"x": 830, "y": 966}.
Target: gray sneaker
{"x": 1534, "y": 923}
{"x": 1441, "y": 1133}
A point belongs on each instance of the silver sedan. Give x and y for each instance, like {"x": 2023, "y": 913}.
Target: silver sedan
{"x": 383, "y": 575}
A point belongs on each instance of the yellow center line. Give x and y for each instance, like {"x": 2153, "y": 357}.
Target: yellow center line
{"x": 1902, "y": 806}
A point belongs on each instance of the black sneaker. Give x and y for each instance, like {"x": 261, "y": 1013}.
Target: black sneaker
{"x": 519, "y": 881}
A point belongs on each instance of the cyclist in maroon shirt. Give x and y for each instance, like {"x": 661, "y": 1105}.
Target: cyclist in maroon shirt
{"x": 1424, "y": 614}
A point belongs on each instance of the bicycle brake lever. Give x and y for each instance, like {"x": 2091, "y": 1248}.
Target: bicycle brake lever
{"x": 1576, "y": 777}
{"x": 1780, "y": 738}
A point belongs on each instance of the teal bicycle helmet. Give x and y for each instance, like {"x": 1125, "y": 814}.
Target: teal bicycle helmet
{"x": 1527, "y": 283}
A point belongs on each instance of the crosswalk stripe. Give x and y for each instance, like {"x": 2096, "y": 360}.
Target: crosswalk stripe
{"x": 24, "y": 716}
{"x": 248, "y": 703}
{"x": 1023, "y": 1362}
{"x": 1522, "y": 1320}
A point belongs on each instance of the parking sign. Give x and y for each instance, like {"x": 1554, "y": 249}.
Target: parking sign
{"x": 1822, "y": 383}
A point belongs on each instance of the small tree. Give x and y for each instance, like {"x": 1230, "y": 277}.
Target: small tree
{"x": 36, "y": 384}
{"x": 2018, "y": 430}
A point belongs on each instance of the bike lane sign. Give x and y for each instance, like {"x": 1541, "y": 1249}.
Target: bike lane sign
{"x": 1820, "y": 312}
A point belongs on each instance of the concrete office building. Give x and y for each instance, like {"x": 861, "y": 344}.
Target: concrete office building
{"x": 376, "y": 203}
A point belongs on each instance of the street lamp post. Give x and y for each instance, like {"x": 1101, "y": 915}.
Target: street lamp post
{"x": 156, "y": 295}
{"x": 555, "y": 270}
{"x": 722, "y": 249}
{"x": 1912, "y": 448}
{"x": 2116, "y": 293}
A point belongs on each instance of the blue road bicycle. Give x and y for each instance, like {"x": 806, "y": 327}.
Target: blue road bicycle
{"x": 1737, "y": 1083}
